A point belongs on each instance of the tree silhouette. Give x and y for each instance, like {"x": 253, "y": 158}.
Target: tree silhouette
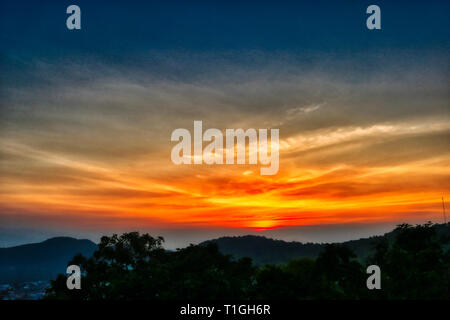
{"x": 414, "y": 264}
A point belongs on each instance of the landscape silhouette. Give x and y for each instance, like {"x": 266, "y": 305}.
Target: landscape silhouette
{"x": 414, "y": 263}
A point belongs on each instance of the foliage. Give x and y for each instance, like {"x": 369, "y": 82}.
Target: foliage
{"x": 414, "y": 265}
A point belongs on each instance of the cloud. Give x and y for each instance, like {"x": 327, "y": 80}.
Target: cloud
{"x": 298, "y": 111}
{"x": 96, "y": 143}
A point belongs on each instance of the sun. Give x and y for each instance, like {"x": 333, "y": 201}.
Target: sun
{"x": 261, "y": 225}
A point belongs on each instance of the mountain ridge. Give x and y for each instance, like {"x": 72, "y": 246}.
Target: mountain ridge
{"x": 44, "y": 260}
{"x": 265, "y": 250}
{"x": 41, "y": 260}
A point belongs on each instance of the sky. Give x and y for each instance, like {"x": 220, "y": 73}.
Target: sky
{"x": 86, "y": 118}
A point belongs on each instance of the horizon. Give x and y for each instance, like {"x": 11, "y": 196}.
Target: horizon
{"x": 174, "y": 242}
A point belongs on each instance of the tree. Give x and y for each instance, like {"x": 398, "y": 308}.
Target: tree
{"x": 414, "y": 262}
{"x": 134, "y": 267}
{"x": 415, "y": 265}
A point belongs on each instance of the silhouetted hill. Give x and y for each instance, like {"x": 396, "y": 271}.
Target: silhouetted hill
{"x": 265, "y": 250}
{"x": 44, "y": 260}
{"x": 41, "y": 261}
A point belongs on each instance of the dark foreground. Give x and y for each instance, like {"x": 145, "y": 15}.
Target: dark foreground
{"x": 414, "y": 264}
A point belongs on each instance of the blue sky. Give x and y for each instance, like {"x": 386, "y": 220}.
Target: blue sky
{"x": 116, "y": 29}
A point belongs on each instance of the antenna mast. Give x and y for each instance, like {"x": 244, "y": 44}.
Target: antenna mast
{"x": 443, "y": 210}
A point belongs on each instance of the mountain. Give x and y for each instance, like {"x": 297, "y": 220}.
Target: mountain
{"x": 264, "y": 250}
{"x": 41, "y": 261}
{"x": 44, "y": 260}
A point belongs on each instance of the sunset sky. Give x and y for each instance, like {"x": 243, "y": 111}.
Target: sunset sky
{"x": 86, "y": 118}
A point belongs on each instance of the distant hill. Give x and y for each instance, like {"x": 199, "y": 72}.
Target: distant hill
{"x": 44, "y": 260}
{"x": 41, "y": 261}
{"x": 265, "y": 250}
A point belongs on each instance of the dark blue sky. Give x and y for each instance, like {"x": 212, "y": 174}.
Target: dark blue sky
{"x": 118, "y": 29}
{"x": 180, "y": 39}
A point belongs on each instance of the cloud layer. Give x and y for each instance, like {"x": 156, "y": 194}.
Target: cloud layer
{"x": 91, "y": 144}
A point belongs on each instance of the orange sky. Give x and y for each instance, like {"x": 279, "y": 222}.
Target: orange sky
{"x": 99, "y": 153}
{"x": 148, "y": 191}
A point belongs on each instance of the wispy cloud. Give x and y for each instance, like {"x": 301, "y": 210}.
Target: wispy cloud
{"x": 100, "y": 147}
